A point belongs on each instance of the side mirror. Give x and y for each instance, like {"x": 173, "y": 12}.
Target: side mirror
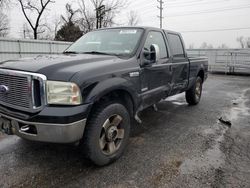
{"x": 151, "y": 56}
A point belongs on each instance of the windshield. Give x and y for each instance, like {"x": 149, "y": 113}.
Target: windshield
{"x": 110, "y": 42}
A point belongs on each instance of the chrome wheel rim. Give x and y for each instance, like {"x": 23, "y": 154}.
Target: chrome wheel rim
{"x": 112, "y": 135}
{"x": 198, "y": 90}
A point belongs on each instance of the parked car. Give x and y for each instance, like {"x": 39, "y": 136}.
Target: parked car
{"x": 93, "y": 91}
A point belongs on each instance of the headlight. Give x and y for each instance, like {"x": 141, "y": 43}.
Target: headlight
{"x": 64, "y": 93}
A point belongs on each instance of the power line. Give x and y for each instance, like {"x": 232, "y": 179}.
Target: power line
{"x": 178, "y": 2}
{"x": 139, "y": 3}
{"x": 150, "y": 11}
{"x": 211, "y": 11}
{"x": 194, "y": 4}
{"x": 161, "y": 9}
{"x": 181, "y": 3}
{"x": 222, "y": 10}
{"x": 214, "y": 30}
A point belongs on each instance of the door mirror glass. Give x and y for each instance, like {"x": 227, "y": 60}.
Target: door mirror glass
{"x": 151, "y": 56}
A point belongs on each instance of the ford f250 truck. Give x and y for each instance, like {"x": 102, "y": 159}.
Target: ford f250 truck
{"x": 95, "y": 89}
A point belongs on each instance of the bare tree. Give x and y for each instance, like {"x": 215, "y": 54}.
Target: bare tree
{"x": 90, "y": 19}
{"x": 133, "y": 18}
{"x": 241, "y": 41}
{"x": 223, "y": 46}
{"x": 4, "y": 25}
{"x": 206, "y": 46}
{"x": 112, "y": 8}
{"x": 70, "y": 30}
{"x": 191, "y": 46}
{"x": 71, "y": 14}
{"x": 87, "y": 18}
{"x": 51, "y": 26}
{"x": 55, "y": 26}
{"x": 1, "y": 3}
{"x": 4, "y": 3}
{"x": 31, "y": 7}
{"x": 248, "y": 42}
{"x": 25, "y": 31}
{"x": 4, "y": 21}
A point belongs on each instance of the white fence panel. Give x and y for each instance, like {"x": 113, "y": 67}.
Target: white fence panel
{"x": 225, "y": 60}
{"x": 14, "y": 48}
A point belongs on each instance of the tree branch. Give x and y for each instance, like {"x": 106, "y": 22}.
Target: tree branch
{"x": 32, "y": 7}
{"x": 28, "y": 5}
{"x": 25, "y": 15}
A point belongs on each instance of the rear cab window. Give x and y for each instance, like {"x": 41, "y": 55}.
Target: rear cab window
{"x": 176, "y": 45}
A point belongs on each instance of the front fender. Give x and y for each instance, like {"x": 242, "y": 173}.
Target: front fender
{"x": 104, "y": 87}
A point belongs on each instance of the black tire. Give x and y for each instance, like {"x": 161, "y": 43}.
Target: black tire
{"x": 102, "y": 128}
{"x": 193, "y": 95}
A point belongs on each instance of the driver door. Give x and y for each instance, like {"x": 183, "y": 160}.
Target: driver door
{"x": 156, "y": 78}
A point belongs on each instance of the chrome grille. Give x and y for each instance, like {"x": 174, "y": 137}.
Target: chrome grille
{"x": 22, "y": 90}
{"x": 19, "y": 90}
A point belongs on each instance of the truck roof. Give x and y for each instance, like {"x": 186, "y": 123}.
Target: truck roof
{"x": 141, "y": 27}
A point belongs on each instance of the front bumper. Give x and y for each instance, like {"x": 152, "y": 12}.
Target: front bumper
{"x": 44, "y": 132}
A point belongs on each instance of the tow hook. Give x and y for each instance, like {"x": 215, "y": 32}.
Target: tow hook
{"x": 25, "y": 128}
{"x": 28, "y": 129}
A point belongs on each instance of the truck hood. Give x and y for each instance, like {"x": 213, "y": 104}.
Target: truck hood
{"x": 61, "y": 67}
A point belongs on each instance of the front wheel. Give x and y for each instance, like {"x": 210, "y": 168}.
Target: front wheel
{"x": 193, "y": 95}
{"x": 107, "y": 133}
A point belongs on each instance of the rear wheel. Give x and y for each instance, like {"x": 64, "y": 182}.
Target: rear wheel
{"x": 107, "y": 133}
{"x": 193, "y": 95}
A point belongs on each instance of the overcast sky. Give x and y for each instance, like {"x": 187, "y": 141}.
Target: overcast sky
{"x": 190, "y": 17}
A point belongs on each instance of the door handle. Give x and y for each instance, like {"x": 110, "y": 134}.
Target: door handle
{"x": 170, "y": 68}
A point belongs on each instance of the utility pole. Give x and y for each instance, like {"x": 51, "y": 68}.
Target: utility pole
{"x": 100, "y": 12}
{"x": 161, "y": 9}
{"x": 24, "y": 33}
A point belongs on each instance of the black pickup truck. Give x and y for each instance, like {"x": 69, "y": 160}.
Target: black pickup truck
{"x": 95, "y": 89}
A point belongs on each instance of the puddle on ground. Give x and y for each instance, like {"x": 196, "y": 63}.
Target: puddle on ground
{"x": 240, "y": 108}
{"x": 213, "y": 157}
{"x": 207, "y": 132}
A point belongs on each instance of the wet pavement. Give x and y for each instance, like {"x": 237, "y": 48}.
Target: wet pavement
{"x": 178, "y": 146}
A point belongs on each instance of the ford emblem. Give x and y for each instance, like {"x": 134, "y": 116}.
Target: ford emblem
{"x": 4, "y": 89}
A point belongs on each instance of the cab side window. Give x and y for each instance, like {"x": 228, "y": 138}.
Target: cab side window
{"x": 157, "y": 38}
{"x": 176, "y": 45}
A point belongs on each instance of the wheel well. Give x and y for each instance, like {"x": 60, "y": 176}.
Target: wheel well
{"x": 201, "y": 74}
{"x": 117, "y": 95}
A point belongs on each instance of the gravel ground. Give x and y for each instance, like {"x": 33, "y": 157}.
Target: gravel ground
{"x": 178, "y": 146}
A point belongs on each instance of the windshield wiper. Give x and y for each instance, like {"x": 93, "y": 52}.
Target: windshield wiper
{"x": 70, "y": 52}
{"x": 100, "y": 53}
